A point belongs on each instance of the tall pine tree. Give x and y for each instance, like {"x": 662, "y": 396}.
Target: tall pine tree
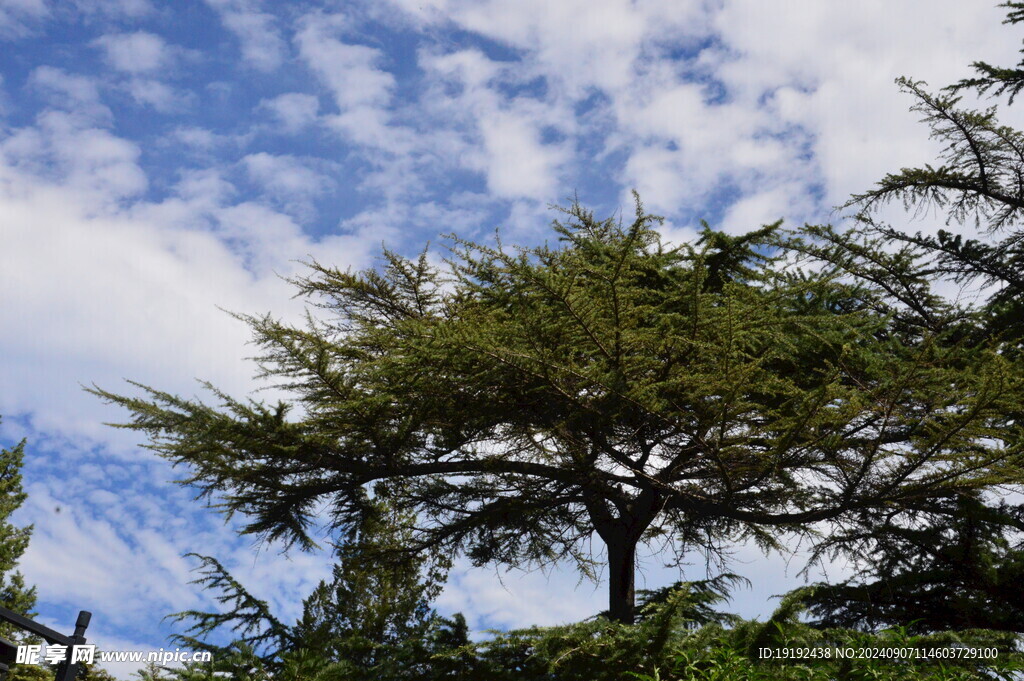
{"x": 14, "y": 594}
{"x": 372, "y": 619}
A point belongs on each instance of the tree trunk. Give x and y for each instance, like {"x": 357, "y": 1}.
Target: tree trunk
{"x": 621, "y": 575}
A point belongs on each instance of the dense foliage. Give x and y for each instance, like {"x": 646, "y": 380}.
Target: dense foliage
{"x": 519, "y": 402}
{"x": 14, "y": 593}
{"x": 373, "y": 618}
{"x": 953, "y": 570}
{"x": 673, "y": 640}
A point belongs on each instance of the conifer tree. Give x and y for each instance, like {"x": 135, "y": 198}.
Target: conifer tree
{"x": 952, "y": 570}
{"x": 151, "y": 671}
{"x": 958, "y": 564}
{"x": 14, "y": 594}
{"x": 373, "y": 618}
{"x": 523, "y": 400}
{"x": 997, "y": 80}
{"x": 377, "y": 605}
{"x": 88, "y": 671}
{"x": 976, "y": 183}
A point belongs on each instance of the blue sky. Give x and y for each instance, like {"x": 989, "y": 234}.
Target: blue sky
{"x": 163, "y": 162}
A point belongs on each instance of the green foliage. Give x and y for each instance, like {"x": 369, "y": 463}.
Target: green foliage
{"x": 238, "y": 662}
{"x": 693, "y": 602}
{"x": 677, "y": 637}
{"x": 1000, "y": 80}
{"x": 601, "y": 650}
{"x": 978, "y": 178}
{"x": 90, "y": 672}
{"x": 245, "y": 614}
{"x": 30, "y": 672}
{"x": 951, "y": 571}
{"x": 378, "y": 601}
{"x": 372, "y": 618}
{"x": 521, "y": 401}
{"x": 14, "y": 594}
{"x": 980, "y": 164}
{"x": 957, "y": 563}
{"x": 665, "y": 645}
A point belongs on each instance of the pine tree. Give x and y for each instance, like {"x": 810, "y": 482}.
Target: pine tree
{"x": 527, "y": 399}
{"x": 151, "y": 671}
{"x": 997, "y": 79}
{"x": 375, "y": 610}
{"x": 951, "y": 570}
{"x": 371, "y": 620}
{"x": 14, "y": 594}
{"x": 90, "y": 672}
{"x": 957, "y": 564}
{"x": 977, "y": 180}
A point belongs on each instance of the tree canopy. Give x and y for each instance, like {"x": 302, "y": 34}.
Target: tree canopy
{"x": 516, "y": 402}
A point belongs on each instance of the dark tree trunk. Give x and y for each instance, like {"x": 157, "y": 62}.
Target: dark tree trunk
{"x": 621, "y": 571}
{"x": 621, "y": 536}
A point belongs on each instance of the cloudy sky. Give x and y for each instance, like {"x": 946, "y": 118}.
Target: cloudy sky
{"x": 161, "y": 162}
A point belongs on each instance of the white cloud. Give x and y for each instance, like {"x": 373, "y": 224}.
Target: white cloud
{"x": 263, "y": 48}
{"x": 100, "y": 285}
{"x": 159, "y": 95}
{"x": 794, "y": 105}
{"x": 88, "y": 160}
{"x": 830, "y": 70}
{"x": 500, "y": 137}
{"x": 578, "y": 45}
{"x": 203, "y": 145}
{"x": 495, "y": 598}
{"x": 117, "y": 538}
{"x": 350, "y": 71}
{"x": 294, "y": 111}
{"x": 201, "y": 190}
{"x": 518, "y": 164}
{"x": 131, "y": 9}
{"x": 198, "y": 138}
{"x": 138, "y": 52}
{"x": 111, "y": 547}
{"x": 77, "y": 94}
{"x": 19, "y": 18}
{"x": 143, "y": 58}
{"x": 286, "y": 177}
{"x": 781, "y": 201}
{"x": 361, "y": 89}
